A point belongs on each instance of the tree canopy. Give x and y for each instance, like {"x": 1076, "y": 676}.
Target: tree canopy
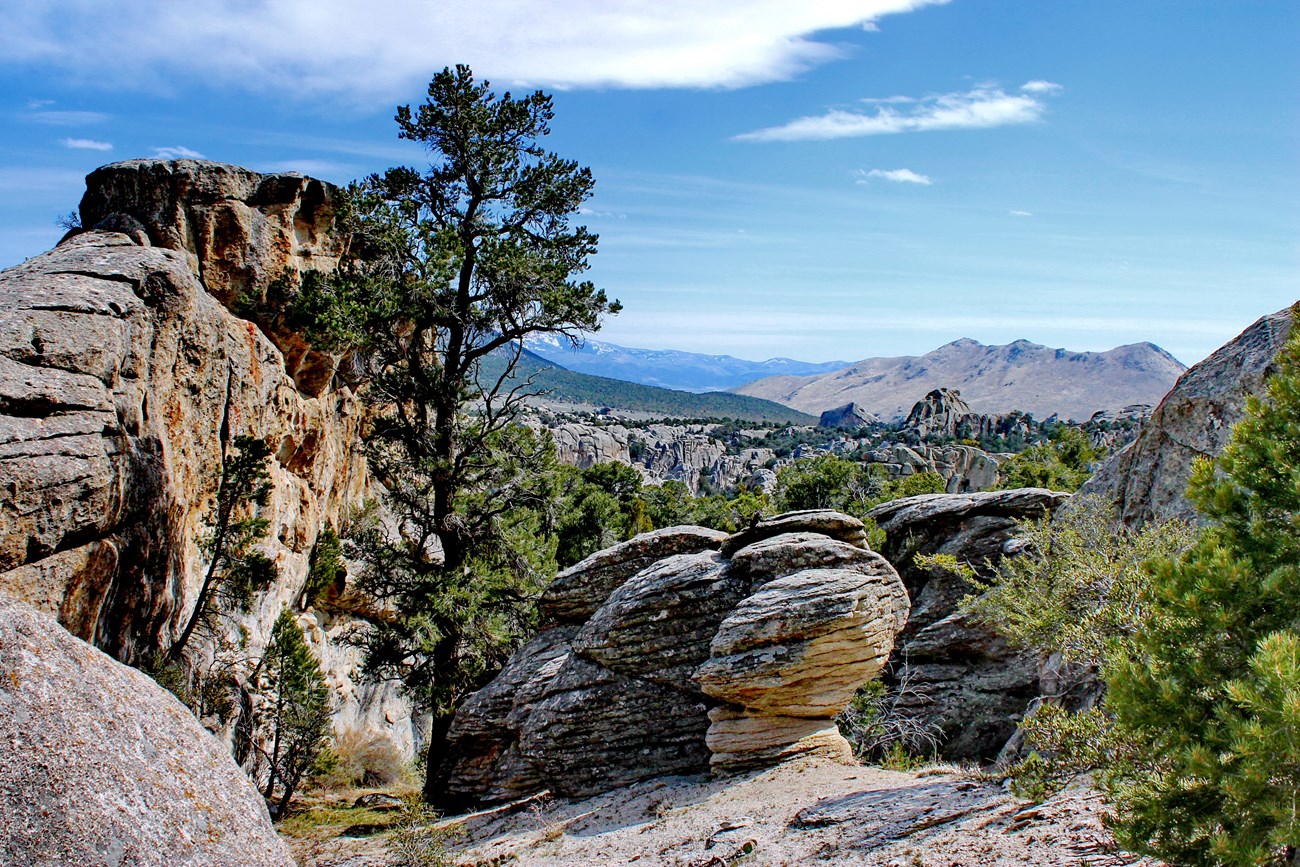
{"x": 444, "y": 269}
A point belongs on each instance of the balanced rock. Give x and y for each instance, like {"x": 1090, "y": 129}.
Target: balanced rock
{"x": 803, "y": 644}
{"x": 101, "y": 766}
{"x": 672, "y": 656}
{"x": 659, "y": 624}
{"x": 578, "y": 591}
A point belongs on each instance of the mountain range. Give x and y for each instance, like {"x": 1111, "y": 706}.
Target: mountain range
{"x": 992, "y": 379}
{"x": 669, "y": 368}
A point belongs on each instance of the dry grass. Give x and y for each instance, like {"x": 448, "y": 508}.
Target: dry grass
{"x": 365, "y": 759}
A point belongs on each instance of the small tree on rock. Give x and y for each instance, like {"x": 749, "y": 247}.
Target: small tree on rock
{"x": 236, "y": 568}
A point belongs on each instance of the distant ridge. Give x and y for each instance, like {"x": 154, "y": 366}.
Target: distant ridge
{"x": 992, "y": 379}
{"x": 669, "y": 368}
{"x": 570, "y": 387}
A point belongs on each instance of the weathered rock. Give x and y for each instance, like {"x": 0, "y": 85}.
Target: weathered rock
{"x": 803, "y": 644}
{"x": 101, "y": 766}
{"x": 939, "y": 413}
{"x": 378, "y": 801}
{"x": 595, "y": 730}
{"x": 484, "y": 736}
{"x": 239, "y": 230}
{"x": 836, "y": 525}
{"x": 578, "y": 591}
{"x": 961, "y": 677}
{"x": 788, "y": 553}
{"x": 121, "y": 380}
{"x": 850, "y": 415}
{"x": 1148, "y": 478}
{"x": 658, "y": 625}
{"x": 740, "y": 739}
{"x": 783, "y": 645}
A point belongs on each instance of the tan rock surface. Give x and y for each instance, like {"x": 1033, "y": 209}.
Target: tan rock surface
{"x": 101, "y": 766}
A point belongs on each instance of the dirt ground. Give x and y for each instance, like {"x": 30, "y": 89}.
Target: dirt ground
{"x": 805, "y": 812}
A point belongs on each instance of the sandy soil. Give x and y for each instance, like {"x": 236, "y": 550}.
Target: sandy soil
{"x": 797, "y": 813}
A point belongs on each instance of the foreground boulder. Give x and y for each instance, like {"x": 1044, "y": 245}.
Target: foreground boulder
{"x": 681, "y": 650}
{"x": 956, "y": 675}
{"x": 101, "y": 766}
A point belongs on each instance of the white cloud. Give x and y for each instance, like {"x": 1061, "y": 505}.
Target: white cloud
{"x": 385, "y": 49}
{"x": 898, "y": 176}
{"x": 87, "y": 144}
{"x": 1021, "y": 213}
{"x": 1040, "y": 86}
{"x": 983, "y": 106}
{"x": 178, "y": 152}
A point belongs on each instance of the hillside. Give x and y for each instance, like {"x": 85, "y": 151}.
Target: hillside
{"x": 992, "y": 379}
{"x": 670, "y": 368}
{"x": 570, "y": 387}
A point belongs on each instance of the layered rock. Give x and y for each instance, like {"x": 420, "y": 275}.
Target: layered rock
{"x": 123, "y": 379}
{"x": 1148, "y": 478}
{"x": 101, "y": 766}
{"x": 961, "y": 678}
{"x": 681, "y": 650}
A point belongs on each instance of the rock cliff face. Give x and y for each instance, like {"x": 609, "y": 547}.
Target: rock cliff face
{"x": 101, "y": 766}
{"x": 963, "y": 679}
{"x": 683, "y": 649}
{"x": 122, "y": 376}
{"x": 1148, "y": 478}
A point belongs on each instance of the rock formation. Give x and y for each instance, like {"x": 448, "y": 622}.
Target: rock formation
{"x": 101, "y": 766}
{"x": 1148, "y": 478}
{"x": 122, "y": 376}
{"x": 962, "y": 678}
{"x": 684, "y": 649}
{"x": 850, "y": 415}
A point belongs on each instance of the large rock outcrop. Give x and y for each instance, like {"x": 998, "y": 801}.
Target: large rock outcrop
{"x": 681, "y": 650}
{"x": 1148, "y": 478}
{"x": 961, "y": 678}
{"x": 122, "y": 378}
{"x": 101, "y": 766}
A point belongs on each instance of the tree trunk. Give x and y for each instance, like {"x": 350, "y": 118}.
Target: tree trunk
{"x": 439, "y": 760}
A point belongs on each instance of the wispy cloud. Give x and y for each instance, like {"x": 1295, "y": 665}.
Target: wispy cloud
{"x": 179, "y": 152}
{"x": 984, "y": 106}
{"x": 384, "y": 49}
{"x": 1040, "y": 86}
{"x": 898, "y": 176}
{"x": 87, "y": 144}
{"x": 1021, "y": 213}
{"x": 67, "y": 118}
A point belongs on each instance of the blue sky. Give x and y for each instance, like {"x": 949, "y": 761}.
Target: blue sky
{"x": 822, "y": 179}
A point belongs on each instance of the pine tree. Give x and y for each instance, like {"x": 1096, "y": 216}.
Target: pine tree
{"x": 294, "y": 715}
{"x": 1211, "y": 697}
{"x": 447, "y": 272}
{"x": 236, "y": 568}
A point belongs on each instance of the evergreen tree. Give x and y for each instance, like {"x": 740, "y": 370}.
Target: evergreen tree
{"x": 447, "y": 270}
{"x": 295, "y": 712}
{"x": 236, "y": 568}
{"x": 1212, "y": 695}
